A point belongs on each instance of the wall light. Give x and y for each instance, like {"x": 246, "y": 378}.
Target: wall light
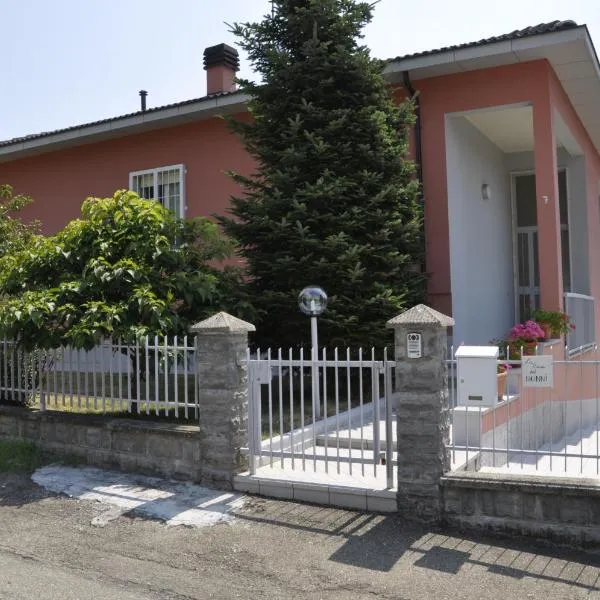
{"x": 486, "y": 193}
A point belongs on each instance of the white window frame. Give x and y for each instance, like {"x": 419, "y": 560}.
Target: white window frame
{"x": 155, "y": 172}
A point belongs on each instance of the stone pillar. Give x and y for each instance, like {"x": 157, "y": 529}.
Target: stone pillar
{"x": 221, "y": 345}
{"x": 422, "y": 410}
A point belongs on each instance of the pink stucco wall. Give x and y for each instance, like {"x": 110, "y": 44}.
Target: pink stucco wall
{"x": 525, "y": 82}
{"x": 59, "y": 181}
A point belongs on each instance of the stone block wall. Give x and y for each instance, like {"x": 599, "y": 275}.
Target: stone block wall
{"x": 558, "y": 509}
{"x": 163, "y": 449}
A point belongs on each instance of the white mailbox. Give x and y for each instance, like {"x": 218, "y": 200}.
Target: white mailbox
{"x": 477, "y": 375}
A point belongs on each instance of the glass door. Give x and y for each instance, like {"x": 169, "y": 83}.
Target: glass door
{"x": 527, "y": 273}
{"x": 528, "y": 278}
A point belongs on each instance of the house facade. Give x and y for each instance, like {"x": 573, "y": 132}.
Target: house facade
{"x": 507, "y": 142}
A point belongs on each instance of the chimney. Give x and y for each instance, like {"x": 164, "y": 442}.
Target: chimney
{"x": 221, "y": 63}
{"x": 143, "y": 94}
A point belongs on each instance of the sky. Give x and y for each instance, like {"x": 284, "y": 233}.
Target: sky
{"x": 68, "y": 62}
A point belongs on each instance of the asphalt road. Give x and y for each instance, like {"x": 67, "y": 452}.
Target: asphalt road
{"x": 49, "y": 549}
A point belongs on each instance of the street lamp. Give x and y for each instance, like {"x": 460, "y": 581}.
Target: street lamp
{"x": 312, "y": 301}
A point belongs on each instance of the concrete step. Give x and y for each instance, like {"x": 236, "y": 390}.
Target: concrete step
{"x": 345, "y": 441}
{"x": 345, "y": 454}
{"x": 318, "y": 488}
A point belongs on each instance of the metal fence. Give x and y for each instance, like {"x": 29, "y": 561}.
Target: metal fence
{"x": 155, "y": 376}
{"x": 331, "y": 414}
{"x": 582, "y": 311}
{"x": 540, "y": 431}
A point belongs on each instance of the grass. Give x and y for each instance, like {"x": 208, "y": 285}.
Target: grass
{"x": 18, "y": 455}
{"x": 117, "y": 410}
{"x": 106, "y": 394}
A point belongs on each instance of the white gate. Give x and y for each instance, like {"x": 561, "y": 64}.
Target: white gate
{"x": 330, "y": 415}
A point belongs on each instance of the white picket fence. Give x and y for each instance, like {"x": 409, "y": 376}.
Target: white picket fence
{"x": 156, "y": 376}
{"x": 327, "y": 415}
{"x": 531, "y": 430}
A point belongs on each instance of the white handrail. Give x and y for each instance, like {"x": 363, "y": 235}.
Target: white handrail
{"x": 582, "y": 311}
{"x": 580, "y": 296}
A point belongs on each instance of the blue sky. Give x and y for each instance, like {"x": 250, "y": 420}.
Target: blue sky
{"x": 66, "y": 62}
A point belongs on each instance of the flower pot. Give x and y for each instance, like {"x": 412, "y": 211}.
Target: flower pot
{"x": 502, "y": 377}
{"x": 549, "y": 334}
{"x": 529, "y": 348}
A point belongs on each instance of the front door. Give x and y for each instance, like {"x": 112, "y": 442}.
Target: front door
{"x": 527, "y": 274}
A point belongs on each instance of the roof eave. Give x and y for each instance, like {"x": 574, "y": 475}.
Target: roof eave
{"x": 204, "y": 108}
{"x": 465, "y": 59}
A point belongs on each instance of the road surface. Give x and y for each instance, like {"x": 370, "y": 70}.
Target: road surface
{"x": 50, "y": 550}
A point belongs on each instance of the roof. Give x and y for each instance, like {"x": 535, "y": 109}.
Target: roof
{"x": 148, "y": 111}
{"x": 513, "y": 35}
{"x": 206, "y": 106}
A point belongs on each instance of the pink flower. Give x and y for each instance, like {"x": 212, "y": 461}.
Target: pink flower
{"x": 529, "y": 331}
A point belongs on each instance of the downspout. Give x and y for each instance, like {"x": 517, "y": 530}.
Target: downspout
{"x": 418, "y": 144}
{"x": 422, "y": 268}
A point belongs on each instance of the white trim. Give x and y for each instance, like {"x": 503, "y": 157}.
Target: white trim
{"x": 580, "y": 296}
{"x": 154, "y": 172}
{"x": 513, "y": 206}
{"x": 450, "y": 57}
{"x": 486, "y": 109}
{"x": 567, "y": 180}
{"x": 118, "y": 127}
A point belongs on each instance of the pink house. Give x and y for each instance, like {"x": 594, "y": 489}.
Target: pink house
{"x": 507, "y": 141}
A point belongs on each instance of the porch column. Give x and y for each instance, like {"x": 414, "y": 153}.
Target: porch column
{"x": 547, "y": 204}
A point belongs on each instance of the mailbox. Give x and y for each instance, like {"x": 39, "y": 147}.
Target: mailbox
{"x": 477, "y": 375}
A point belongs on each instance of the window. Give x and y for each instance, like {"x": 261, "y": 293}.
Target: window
{"x": 164, "y": 184}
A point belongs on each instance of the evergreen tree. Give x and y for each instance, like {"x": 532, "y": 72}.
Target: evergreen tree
{"x": 333, "y": 201}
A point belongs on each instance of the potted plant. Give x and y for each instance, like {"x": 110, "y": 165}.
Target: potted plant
{"x": 554, "y": 322}
{"x": 523, "y": 339}
{"x": 503, "y": 369}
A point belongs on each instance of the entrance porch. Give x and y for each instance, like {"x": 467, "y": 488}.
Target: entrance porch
{"x": 518, "y": 220}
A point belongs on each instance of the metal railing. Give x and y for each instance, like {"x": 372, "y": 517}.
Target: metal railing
{"x": 351, "y": 433}
{"x": 155, "y": 376}
{"x": 581, "y": 310}
{"x": 537, "y": 431}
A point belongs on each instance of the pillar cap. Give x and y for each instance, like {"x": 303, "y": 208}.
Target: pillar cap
{"x": 421, "y": 315}
{"x": 222, "y": 322}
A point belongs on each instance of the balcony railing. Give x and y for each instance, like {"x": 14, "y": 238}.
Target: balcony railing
{"x": 582, "y": 311}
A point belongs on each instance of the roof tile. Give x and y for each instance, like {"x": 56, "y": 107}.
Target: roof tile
{"x": 513, "y": 35}
{"x": 19, "y": 140}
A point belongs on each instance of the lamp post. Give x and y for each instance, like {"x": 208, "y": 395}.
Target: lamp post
{"x": 312, "y": 301}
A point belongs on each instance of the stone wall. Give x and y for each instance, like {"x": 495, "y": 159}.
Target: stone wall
{"x": 164, "y": 449}
{"x": 561, "y": 509}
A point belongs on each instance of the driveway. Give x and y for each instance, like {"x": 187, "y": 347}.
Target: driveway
{"x": 55, "y": 547}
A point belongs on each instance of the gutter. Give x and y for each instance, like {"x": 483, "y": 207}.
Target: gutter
{"x": 421, "y": 268}
{"x": 418, "y": 139}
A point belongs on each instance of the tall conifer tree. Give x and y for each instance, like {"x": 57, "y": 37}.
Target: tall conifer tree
{"x": 333, "y": 200}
